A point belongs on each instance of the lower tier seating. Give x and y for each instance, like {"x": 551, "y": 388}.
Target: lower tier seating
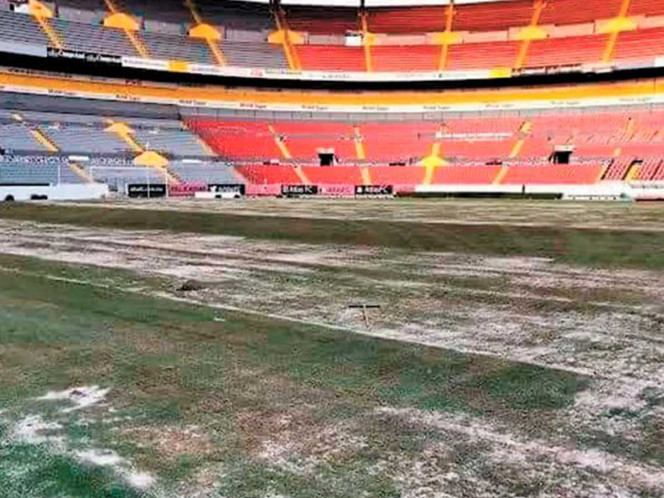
{"x": 560, "y": 174}
{"x": 553, "y": 174}
{"x": 602, "y": 137}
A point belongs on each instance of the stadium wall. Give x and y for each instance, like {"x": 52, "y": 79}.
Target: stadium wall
{"x": 61, "y": 192}
{"x": 599, "y": 191}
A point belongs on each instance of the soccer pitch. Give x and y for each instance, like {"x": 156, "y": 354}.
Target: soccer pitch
{"x": 183, "y": 349}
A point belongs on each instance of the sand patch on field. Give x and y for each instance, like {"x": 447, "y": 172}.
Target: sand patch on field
{"x": 51, "y": 433}
{"x": 80, "y": 397}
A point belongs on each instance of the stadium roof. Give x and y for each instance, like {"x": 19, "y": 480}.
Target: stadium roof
{"x": 373, "y": 3}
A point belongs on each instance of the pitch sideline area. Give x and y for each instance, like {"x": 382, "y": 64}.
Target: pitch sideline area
{"x": 128, "y": 365}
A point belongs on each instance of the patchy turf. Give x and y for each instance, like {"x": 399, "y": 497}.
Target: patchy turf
{"x": 208, "y": 401}
{"x": 236, "y": 384}
{"x": 128, "y": 369}
{"x": 601, "y": 246}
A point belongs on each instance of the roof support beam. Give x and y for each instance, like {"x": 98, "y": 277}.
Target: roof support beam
{"x": 283, "y": 35}
{"x": 209, "y": 34}
{"x": 125, "y": 22}
{"x": 530, "y": 33}
{"x": 367, "y": 40}
{"x": 445, "y": 48}
{"x": 614, "y": 28}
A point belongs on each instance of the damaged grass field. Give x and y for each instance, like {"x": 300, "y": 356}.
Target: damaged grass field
{"x": 114, "y": 382}
{"x": 188, "y": 391}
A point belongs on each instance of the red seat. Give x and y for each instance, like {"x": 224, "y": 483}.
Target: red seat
{"x": 266, "y": 175}
{"x": 465, "y": 175}
{"x": 331, "y": 58}
{"x": 559, "y": 174}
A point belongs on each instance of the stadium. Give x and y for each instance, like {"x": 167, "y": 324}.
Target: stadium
{"x": 331, "y": 248}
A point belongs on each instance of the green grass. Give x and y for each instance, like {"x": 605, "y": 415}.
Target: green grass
{"x": 45, "y": 474}
{"x": 172, "y": 365}
{"x": 585, "y": 246}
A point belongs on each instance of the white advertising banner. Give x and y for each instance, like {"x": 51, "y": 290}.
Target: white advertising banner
{"x": 357, "y": 108}
{"x": 286, "y": 74}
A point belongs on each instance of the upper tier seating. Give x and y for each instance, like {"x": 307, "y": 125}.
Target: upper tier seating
{"x": 19, "y": 28}
{"x": 406, "y": 58}
{"x": 92, "y": 38}
{"x": 248, "y": 16}
{"x": 245, "y": 28}
{"x": 502, "y": 15}
{"x": 575, "y": 12}
{"x": 407, "y": 20}
{"x": 493, "y": 16}
{"x": 319, "y": 21}
{"x": 641, "y": 44}
{"x": 227, "y": 14}
{"x": 484, "y": 55}
{"x": 647, "y": 7}
{"x": 563, "y": 51}
{"x": 331, "y": 58}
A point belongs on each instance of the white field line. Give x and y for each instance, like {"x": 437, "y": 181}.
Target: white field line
{"x": 300, "y": 321}
{"x": 596, "y": 459}
{"x": 460, "y": 289}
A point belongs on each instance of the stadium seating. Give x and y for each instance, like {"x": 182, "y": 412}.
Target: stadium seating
{"x": 484, "y": 55}
{"x": 35, "y": 170}
{"x": 575, "y": 12}
{"x": 302, "y": 139}
{"x": 333, "y": 175}
{"x": 87, "y": 134}
{"x": 242, "y": 141}
{"x": 646, "y": 7}
{"x": 327, "y": 21}
{"x": 273, "y": 174}
{"x": 640, "y": 44}
{"x": 488, "y": 34}
{"x": 618, "y": 169}
{"x": 118, "y": 177}
{"x": 396, "y": 175}
{"x": 331, "y": 58}
{"x": 552, "y": 175}
{"x": 205, "y": 173}
{"x": 405, "y": 58}
{"x": 443, "y": 175}
{"x": 506, "y": 148}
{"x": 594, "y": 137}
{"x": 466, "y": 175}
{"x": 564, "y": 51}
